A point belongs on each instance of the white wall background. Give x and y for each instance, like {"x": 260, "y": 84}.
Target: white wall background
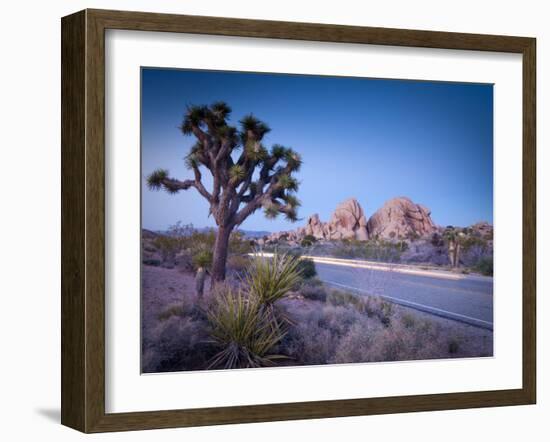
{"x": 30, "y": 217}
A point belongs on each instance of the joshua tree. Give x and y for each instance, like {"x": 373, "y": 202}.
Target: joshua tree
{"x": 455, "y": 238}
{"x": 241, "y": 183}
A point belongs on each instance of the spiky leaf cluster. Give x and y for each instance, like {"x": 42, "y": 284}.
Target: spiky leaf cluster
{"x": 271, "y": 209}
{"x": 237, "y": 172}
{"x": 253, "y": 128}
{"x": 244, "y": 330}
{"x": 288, "y": 182}
{"x": 155, "y": 180}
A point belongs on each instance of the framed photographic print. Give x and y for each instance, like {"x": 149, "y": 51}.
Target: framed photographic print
{"x": 269, "y": 220}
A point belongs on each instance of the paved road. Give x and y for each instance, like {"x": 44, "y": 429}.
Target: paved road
{"x": 468, "y": 300}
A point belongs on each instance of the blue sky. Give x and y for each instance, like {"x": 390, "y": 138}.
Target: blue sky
{"x": 371, "y": 139}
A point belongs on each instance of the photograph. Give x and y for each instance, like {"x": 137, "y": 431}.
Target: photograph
{"x": 303, "y": 220}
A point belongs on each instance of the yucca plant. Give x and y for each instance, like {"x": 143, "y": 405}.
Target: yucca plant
{"x": 202, "y": 258}
{"x": 270, "y": 279}
{"x": 244, "y": 330}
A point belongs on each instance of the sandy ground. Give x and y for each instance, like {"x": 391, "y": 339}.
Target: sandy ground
{"x": 162, "y": 288}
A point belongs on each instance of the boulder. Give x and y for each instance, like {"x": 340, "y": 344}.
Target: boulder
{"x": 483, "y": 229}
{"x": 314, "y": 227}
{"x": 400, "y": 218}
{"x": 348, "y": 222}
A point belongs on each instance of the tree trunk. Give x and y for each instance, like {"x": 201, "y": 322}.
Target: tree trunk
{"x": 452, "y": 253}
{"x": 457, "y": 255}
{"x": 221, "y": 248}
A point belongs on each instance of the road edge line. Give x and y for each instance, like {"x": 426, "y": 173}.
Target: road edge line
{"x": 480, "y": 323}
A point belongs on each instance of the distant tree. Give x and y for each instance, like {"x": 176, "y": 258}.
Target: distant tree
{"x": 241, "y": 184}
{"x": 451, "y": 237}
{"x": 459, "y": 240}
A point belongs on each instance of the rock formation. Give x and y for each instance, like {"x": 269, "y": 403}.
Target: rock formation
{"x": 315, "y": 227}
{"x": 483, "y": 229}
{"x": 347, "y": 222}
{"x": 400, "y": 218}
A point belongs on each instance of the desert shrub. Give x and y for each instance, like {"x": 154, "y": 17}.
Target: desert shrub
{"x": 368, "y": 305}
{"x": 473, "y": 241}
{"x": 385, "y": 312}
{"x": 308, "y": 344}
{"x": 244, "y": 331}
{"x": 355, "y": 346}
{"x": 314, "y": 292}
{"x": 272, "y": 279}
{"x": 363, "y": 304}
{"x": 238, "y": 244}
{"x": 344, "y": 334}
{"x": 180, "y": 230}
{"x": 453, "y": 346}
{"x": 385, "y": 251}
{"x": 402, "y": 246}
{"x": 174, "y": 310}
{"x": 185, "y": 308}
{"x": 485, "y": 266}
{"x": 374, "y": 249}
{"x": 317, "y": 332}
{"x": 426, "y": 251}
{"x": 339, "y": 319}
{"x": 176, "y": 344}
{"x": 337, "y": 298}
{"x": 373, "y": 342}
{"x": 281, "y": 248}
{"x": 313, "y": 282}
{"x": 184, "y": 261}
{"x": 475, "y": 249}
{"x": 306, "y": 267}
{"x": 349, "y": 249}
{"x": 152, "y": 262}
{"x": 437, "y": 240}
{"x": 202, "y": 242}
{"x": 425, "y": 326}
{"x": 167, "y": 246}
{"x": 412, "y": 236}
{"x": 308, "y": 241}
{"x": 305, "y": 243}
{"x": 408, "y": 320}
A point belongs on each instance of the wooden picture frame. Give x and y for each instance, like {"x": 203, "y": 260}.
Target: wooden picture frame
{"x": 83, "y": 220}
